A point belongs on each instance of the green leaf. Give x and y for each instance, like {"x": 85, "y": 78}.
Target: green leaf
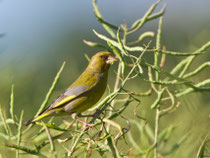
{"x": 106, "y": 25}
{"x": 27, "y": 150}
{"x": 200, "y": 153}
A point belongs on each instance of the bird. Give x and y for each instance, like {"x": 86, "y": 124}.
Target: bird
{"x": 84, "y": 92}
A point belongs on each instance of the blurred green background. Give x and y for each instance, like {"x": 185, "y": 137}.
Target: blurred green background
{"x": 37, "y": 36}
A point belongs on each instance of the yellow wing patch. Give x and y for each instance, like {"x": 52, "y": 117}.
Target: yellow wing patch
{"x": 41, "y": 116}
{"x": 65, "y": 100}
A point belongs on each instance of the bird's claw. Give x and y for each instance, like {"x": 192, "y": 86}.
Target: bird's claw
{"x": 89, "y": 125}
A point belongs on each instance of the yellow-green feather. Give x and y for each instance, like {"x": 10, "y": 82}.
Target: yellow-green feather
{"x": 65, "y": 100}
{"x": 40, "y": 117}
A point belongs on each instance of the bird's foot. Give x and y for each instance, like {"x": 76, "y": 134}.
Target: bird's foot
{"x": 89, "y": 125}
{"x": 85, "y": 125}
{"x": 98, "y": 111}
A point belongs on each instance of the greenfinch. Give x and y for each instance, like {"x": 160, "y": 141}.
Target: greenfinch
{"x": 84, "y": 92}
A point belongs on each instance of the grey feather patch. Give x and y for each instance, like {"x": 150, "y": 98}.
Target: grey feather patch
{"x": 76, "y": 90}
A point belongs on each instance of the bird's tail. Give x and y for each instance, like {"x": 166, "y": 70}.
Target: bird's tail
{"x": 29, "y": 122}
{"x": 37, "y": 118}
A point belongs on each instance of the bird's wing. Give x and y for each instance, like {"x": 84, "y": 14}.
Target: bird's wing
{"x": 76, "y": 89}
{"x": 73, "y": 92}
{"x": 69, "y": 95}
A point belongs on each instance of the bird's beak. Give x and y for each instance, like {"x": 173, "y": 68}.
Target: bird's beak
{"x": 111, "y": 60}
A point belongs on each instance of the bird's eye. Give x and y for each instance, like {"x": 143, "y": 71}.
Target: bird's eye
{"x": 101, "y": 56}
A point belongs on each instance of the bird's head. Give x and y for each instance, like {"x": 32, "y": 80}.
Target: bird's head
{"x": 101, "y": 61}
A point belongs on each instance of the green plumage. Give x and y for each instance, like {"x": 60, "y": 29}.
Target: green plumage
{"x": 84, "y": 92}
